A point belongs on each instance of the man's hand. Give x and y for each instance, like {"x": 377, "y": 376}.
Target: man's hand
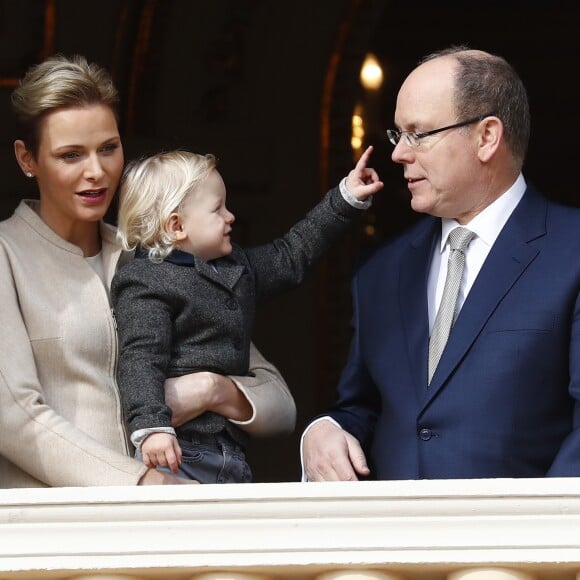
{"x": 332, "y": 454}
{"x": 363, "y": 181}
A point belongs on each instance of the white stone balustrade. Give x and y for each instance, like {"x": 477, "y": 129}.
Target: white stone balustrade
{"x": 408, "y": 530}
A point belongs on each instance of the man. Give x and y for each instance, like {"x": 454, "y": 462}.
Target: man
{"x": 503, "y": 398}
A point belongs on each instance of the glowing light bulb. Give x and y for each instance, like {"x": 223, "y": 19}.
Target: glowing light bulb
{"x": 371, "y": 73}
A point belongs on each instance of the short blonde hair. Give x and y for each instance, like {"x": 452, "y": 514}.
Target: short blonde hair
{"x": 151, "y": 189}
{"x": 59, "y": 82}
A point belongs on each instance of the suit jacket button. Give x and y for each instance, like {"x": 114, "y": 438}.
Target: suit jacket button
{"x": 425, "y": 434}
{"x": 231, "y": 303}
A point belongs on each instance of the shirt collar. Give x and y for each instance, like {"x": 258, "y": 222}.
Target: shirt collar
{"x": 488, "y": 223}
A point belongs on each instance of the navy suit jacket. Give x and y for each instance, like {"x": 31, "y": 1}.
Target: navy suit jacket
{"x": 504, "y": 400}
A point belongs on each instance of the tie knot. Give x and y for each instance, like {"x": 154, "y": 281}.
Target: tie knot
{"x": 459, "y": 238}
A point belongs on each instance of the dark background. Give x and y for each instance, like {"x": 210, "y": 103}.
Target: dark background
{"x": 270, "y": 87}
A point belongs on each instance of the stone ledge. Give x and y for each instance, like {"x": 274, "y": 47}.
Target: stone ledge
{"x": 292, "y": 527}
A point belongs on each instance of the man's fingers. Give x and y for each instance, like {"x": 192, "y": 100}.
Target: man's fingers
{"x": 327, "y": 450}
{"x": 331, "y": 467}
{"x": 357, "y": 456}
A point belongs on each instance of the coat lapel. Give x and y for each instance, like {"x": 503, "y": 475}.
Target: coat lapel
{"x": 507, "y": 261}
{"x": 226, "y": 274}
{"x": 413, "y": 299}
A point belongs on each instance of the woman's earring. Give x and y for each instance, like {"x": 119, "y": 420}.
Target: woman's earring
{"x": 29, "y": 174}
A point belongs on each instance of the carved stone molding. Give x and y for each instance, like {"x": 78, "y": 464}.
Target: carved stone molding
{"x": 407, "y": 528}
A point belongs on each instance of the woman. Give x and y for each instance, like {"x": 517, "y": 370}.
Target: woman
{"x": 60, "y": 413}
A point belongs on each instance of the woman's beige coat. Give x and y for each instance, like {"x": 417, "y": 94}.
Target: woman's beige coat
{"x": 60, "y": 415}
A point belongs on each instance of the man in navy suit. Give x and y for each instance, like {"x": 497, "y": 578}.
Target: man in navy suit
{"x": 504, "y": 398}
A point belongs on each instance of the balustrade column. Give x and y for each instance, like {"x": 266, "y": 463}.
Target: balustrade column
{"x": 229, "y": 576}
{"x": 92, "y": 576}
{"x": 490, "y": 574}
{"x": 358, "y": 575}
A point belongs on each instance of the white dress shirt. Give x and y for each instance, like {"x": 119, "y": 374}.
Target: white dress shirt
{"x": 487, "y": 226}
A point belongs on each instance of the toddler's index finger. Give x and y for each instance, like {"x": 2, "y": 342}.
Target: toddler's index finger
{"x": 362, "y": 162}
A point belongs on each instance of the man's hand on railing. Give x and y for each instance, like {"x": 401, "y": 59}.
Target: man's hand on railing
{"x": 332, "y": 454}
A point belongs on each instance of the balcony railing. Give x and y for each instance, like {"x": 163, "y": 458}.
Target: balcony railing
{"x": 411, "y": 530}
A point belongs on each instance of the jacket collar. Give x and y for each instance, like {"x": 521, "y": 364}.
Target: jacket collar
{"x": 224, "y": 271}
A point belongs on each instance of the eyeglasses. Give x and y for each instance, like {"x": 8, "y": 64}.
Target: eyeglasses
{"x": 413, "y": 139}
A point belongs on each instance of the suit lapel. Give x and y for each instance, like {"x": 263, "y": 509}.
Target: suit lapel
{"x": 507, "y": 261}
{"x": 413, "y": 299}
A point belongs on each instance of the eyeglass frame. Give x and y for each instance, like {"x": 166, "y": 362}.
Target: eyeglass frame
{"x": 391, "y": 133}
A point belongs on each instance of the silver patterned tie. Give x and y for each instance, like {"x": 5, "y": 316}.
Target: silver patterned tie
{"x": 459, "y": 239}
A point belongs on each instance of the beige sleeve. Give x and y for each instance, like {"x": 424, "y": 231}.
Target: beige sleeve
{"x": 274, "y": 409}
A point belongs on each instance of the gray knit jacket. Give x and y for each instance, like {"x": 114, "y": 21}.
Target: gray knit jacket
{"x": 185, "y": 315}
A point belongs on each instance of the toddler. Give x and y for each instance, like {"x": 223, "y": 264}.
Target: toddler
{"x": 186, "y": 302}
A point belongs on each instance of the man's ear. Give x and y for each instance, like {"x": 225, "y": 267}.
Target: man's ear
{"x": 174, "y": 227}
{"x": 24, "y": 158}
{"x": 490, "y": 138}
